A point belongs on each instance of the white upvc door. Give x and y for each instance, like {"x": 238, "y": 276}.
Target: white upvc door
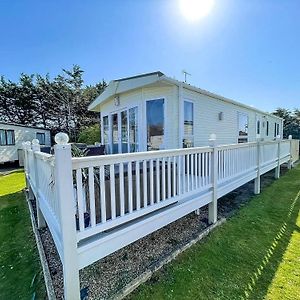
{"x": 122, "y": 130}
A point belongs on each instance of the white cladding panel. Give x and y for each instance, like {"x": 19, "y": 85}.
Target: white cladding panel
{"x": 206, "y": 120}
{"x": 206, "y": 116}
{"x": 139, "y": 98}
{"x": 22, "y": 134}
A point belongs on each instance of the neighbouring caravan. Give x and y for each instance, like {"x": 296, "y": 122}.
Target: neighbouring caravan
{"x": 153, "y": 112}
{"x": 13, "y": 135}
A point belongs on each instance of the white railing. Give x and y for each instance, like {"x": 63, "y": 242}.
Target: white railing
{"x": 114, "y": 189}
{"x": 94, "y": 206}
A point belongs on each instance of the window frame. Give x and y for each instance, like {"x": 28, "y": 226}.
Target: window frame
{"x": 188, "y": 136}
{"x": 245, "y": 138}
{"x": 44, "y": 137}
{"x": 108, "y": 114}
{"x": 162, "y": 146}
{"x": 13, "y": 143}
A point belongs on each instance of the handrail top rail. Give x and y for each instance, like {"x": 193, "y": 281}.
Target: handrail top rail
{"x": 81, "y": 162}
{"x": 43, "y": 155}
{"x": 135, "y": 156}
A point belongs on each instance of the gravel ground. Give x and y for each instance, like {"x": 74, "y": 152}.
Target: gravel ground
{"x": 106, "y": 277}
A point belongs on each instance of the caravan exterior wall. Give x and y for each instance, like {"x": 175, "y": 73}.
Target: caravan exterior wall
{"x": 12, "y": 137}
{"x": 210, "y": 115}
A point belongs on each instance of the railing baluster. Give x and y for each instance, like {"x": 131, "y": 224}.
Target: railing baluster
{"x": 130, "y": 200}
{"x": 112, "y": 191}
{"x": 169, "y": 177}
{"x": 151, "y": 183}
{"x": 202, "y": 169}
{"x": 80, "y": 199}
{"x": 174, "y": 176}
{"x": 103, "y": 196}
{"x": 206, "y": 167}
{"x": 188, "y": 172}
{"x": 157, "y": 181}
{"x": 163, "y": 178}
{"x": 137, "y": 182}
{"x": 179, "y": 164}
{"x": 121, "y": 182}
{"x": 183, "y": 174}
{"x": 199, "y": 170}
{"x": 192, "y": 171}
{"x": 92, "y": 196}
{"x": 145, "y": 178}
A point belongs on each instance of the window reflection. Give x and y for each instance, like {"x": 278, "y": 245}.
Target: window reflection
{"x": 115, "y": 133}
{"x": 243, "y": 128}
{"x": 105, "y": 133}
{"x": 155, "y": 124}
{"x": 124, "y": 131}
{"x": 133, "y": 129}
{"x": 188, "y": 123}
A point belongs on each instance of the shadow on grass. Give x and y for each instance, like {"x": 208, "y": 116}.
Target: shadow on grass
{"x": 261, "y": 279}
{"x": 20, "y": 271}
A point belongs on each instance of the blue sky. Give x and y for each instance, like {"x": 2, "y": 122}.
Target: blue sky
{"x": 245, "y": 50}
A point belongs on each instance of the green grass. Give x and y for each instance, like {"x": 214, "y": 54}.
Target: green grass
{"x": 254, "y": 255}
{"x": 20, "y": 271}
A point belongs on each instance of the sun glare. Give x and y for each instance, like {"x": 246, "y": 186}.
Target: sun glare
{"x": 194, "y": 10}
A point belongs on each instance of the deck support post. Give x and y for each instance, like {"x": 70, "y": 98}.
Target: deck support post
{"x": 257, "y": 179}
{"x": 26, "y": 146}
{"x": 213, "y": 206}
{"x": 290, "y": 162}
{"x": 40, "y": 218}
{"x": 64, "y": 183}
{"x": 277, "y": 169}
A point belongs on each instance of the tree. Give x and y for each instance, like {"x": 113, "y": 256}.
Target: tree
{"x": 90, "y": 135}
{"x": 59, "y": 104}
{"x": 291, "y": 125}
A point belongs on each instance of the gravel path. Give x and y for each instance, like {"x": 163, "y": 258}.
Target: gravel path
{"x": 106, "y": 277}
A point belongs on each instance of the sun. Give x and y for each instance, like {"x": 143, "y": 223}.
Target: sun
{"x": 194, "y": 10}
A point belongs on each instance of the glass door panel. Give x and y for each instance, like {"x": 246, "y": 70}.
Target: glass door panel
{"x": 124, "y": 132}
{"x": 133, "y": 129}
{"x": 115, "y": 133}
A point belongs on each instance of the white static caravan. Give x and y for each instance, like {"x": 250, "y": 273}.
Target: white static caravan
{"x": 154, "y": 112}
{"x": 13, "y": 135}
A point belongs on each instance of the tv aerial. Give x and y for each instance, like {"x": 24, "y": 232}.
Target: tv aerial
{"x": 185, "y": 74}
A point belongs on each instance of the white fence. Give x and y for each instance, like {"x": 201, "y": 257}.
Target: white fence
{"x": 96, "y": 205}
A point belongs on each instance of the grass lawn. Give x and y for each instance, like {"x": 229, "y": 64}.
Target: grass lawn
{"x": 254, "y": 255}
{"x": 20, "y": 270}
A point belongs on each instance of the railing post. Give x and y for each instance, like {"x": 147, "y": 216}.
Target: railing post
{"x": 258, "y": 161}
{"x": 213, "y": 206}
{"x": 290, "y": 162}
{"x": 64, "y": 186}
{"x": 40, "y": 218}
{"x": 277, "y": 169}
{"x": 26, "y": 146}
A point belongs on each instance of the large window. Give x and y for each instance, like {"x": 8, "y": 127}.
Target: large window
{"x": 41, "y": 137}
{"x": 155, "y": 124}
{"x": 267, "y": 129}
{"x": 242, "y": 127}
{"x": 188, "y": 125}
{"x": 7, "y": 137}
